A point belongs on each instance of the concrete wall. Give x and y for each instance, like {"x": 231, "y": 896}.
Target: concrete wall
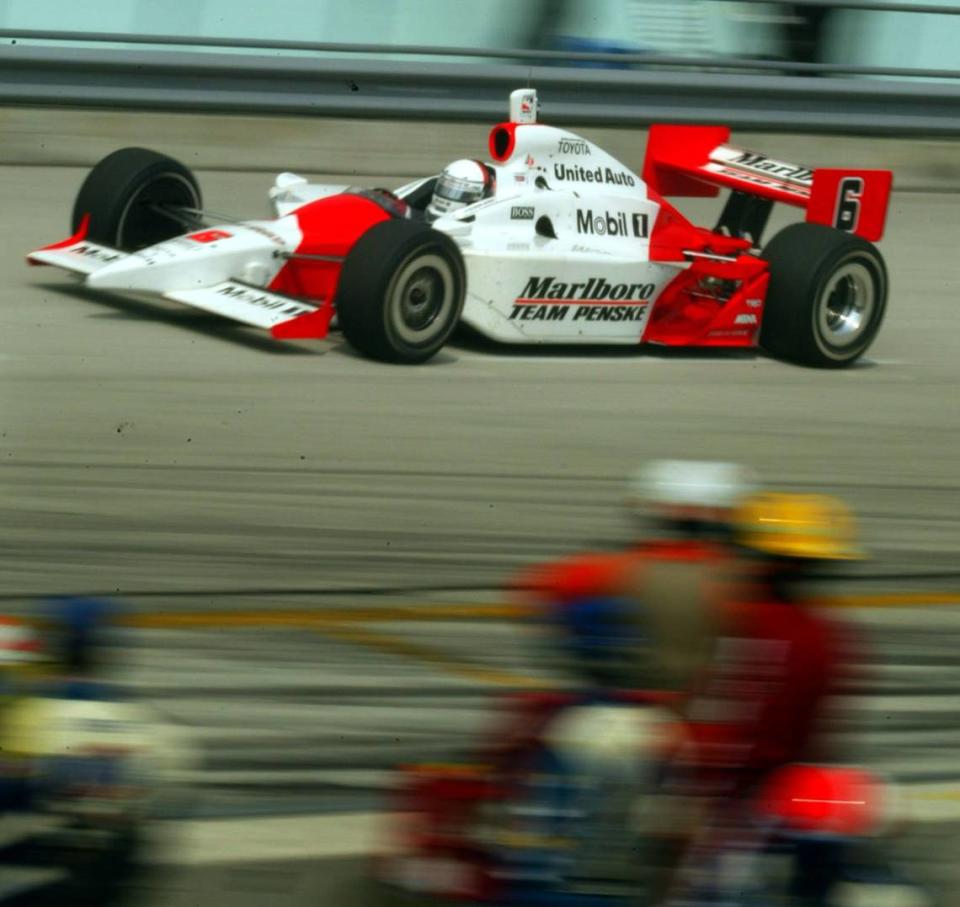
{"x": 358, "y": 147}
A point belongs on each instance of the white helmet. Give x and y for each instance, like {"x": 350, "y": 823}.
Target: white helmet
{"x": 610, "y": 736}
{"x": 690, "y": 489}
{"x": 462, "y": 183}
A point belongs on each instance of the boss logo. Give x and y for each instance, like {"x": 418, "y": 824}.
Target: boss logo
{"x": 521, "y": 212}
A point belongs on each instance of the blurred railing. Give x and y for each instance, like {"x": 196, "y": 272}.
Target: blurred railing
{"x": 216, "y": 74}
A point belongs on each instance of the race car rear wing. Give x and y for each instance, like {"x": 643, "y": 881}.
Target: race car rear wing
{"x": 698, "y": 161}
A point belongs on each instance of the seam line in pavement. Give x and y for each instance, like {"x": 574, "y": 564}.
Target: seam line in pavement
{"x": 344, "y": 625}
{"x": 459, "y": 667}
{"x": 438, "y": 611}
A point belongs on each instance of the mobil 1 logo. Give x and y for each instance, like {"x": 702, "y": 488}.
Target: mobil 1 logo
{"x": 615, "y": 223}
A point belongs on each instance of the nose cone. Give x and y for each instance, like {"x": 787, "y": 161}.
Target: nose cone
{"x": 129, "y": 273}
{"x": 198, "y": 259}
{"x": 171, "y": 265}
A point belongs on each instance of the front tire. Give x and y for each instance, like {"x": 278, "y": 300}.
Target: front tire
{"x": 401, "y": 292}
{"x": 126, "y": 194}
{"x": 826, "y": 298}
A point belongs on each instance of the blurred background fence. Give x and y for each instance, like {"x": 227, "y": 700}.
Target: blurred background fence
{"x": 855, "y": 66}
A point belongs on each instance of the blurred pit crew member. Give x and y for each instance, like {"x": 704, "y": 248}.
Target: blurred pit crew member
{"x": 564, "y": 769}
{"x": 461, "y": 183}
{"x": 573, "y": 764}
{"x": 758, "y": 707}
{"x": 95, "y": 766}
{"x": 686, "y": 571}
{"x": 675, "y": 574}
{"x": 19, "y": 655}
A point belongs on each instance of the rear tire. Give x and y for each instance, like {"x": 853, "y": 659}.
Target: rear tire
{"x": 401, "y": 292}
{"x": 121, "y": 195}
{"x": 826, "y": 298}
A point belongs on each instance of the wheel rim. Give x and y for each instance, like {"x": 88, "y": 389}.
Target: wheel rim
{"x": 421, "y": 299}
{"x": 846, "y": 305}
{"x": 142, "y": 224}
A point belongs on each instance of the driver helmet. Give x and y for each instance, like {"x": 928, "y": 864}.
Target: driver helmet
{"x": 693, "y": 492}
{"x": 462, "y": 183}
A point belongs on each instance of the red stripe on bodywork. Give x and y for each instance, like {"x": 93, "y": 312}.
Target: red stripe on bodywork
{"x": 502, "y": 141}
{"x": 686, "y": 314}
{"x": 79, "y": 236}
{"x": 329, "y": 227}
{"x": 208, "y": 236}
{"x": 675, "y": 155}
{"x": 526, "y": 301}
{"x": 311, "y": 326}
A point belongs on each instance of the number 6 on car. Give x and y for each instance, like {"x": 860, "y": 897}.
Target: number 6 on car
{"x": 549, "y": 240}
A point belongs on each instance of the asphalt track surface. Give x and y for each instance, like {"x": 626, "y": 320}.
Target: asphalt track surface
{"x": 191, "y": 465}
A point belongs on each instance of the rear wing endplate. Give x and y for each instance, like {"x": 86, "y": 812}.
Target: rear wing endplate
{"x": 699, "y": 161}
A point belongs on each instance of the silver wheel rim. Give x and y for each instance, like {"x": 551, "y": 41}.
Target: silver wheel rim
{"x": 122, "y": 223}
{"x": 420, "y": 299}
{"x": 846, "y": 305}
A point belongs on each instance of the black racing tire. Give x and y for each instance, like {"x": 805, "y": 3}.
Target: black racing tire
{"x": 827, "y": 296}
{"x": 121, "y": 193}
{"x": 401, "y": 292}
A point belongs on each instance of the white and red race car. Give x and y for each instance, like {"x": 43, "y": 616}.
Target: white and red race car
{"x": 569, "y": 246}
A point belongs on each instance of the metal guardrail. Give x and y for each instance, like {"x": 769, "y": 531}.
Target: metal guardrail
{"x": 246, "y": 83}
{"x": 645, "y": 59}
{"x": 318, "y": 78}
{"x": 870, "y": 6}
{"x": 876, "y": 6}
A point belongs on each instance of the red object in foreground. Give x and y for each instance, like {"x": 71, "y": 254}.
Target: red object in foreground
{"x": 826, "y": 800}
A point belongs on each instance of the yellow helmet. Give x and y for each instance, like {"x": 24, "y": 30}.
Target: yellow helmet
{"x": 797, "y": 525}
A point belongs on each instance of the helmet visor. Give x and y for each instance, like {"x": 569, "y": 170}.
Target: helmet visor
{"x": 460, "y": 191}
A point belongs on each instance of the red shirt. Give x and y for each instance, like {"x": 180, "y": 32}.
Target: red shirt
{"x": 759, "y": 704}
